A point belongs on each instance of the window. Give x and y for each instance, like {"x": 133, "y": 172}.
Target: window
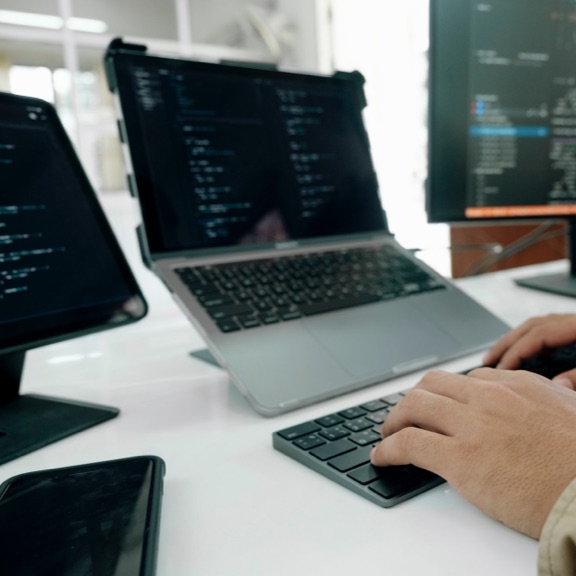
{"x": 388, "y": 42}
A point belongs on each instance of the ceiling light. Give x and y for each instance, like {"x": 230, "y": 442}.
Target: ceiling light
{"x": 30, "y": 19}
{"x": 87, "y": 25}
{"x": 52, "y": 22}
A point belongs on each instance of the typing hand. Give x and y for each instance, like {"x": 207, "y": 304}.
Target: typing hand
{"x": 503, "y": 439}
{"x": 535, "y": 336}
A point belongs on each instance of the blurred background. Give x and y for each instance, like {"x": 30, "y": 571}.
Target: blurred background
{"x": 53, "y": 49}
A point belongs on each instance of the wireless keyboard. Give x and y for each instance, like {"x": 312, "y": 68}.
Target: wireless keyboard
{"x": 338, "y": 445}
{"x": 550, "y": 364}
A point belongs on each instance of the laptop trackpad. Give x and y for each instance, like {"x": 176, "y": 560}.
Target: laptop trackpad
{"x": 381, "y": 339}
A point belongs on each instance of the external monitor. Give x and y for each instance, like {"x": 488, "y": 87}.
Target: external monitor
{"x": 502, "y": 116}
{"x": 62, "y": 273}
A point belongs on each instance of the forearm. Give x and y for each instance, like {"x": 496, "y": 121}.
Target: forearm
{"x": 557, "y": 552}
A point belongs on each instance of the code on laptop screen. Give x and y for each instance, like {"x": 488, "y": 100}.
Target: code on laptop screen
{"x": 228, "y": 156}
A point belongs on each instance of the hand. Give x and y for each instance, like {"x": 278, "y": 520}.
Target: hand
{"x": 537, "y": 335}
{"x": 505, "y": 440}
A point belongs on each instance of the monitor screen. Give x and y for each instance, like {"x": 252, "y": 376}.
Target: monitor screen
{"x": 502, "y": 110}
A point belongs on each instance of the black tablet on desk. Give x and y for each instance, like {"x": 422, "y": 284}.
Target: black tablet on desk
{"x": 62, "y": 273}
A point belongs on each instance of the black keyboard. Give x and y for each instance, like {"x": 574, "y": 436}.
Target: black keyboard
{"x": 255, "y": 293}
{"x": 552, "y": 363}
{"x": 338, "y": 446}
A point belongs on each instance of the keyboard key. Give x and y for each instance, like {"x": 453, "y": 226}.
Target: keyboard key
{"x": 248, "y": 322}
{"x": 393, "y": 399}
{"x": 331, "y": 420}
{"x": 365, "y": 474}
{"x": 219, "y": 312}
{"x": 395, "y": 480}
{"x": 378, "y": 417}
{"x": 300, "y": 430}
{"x": 335, "y": 433}
{"x": 366, "y": 437}
{"x": 358, "y": 425}
{"x": 213, "y": 300}
{"x": 321, "y": 307}
{"x": 308, "y": 442}
{"x": 352, "y": 413}
{"x": 332, "y": 450}
{"x": 269, "y": 319}
{"x": 352, "y": 460}
{"x": 374, "y": 406}
{"x": 228, "y": 325}
{"x": 425, "y": 474}
{"x": 290, "y": 315}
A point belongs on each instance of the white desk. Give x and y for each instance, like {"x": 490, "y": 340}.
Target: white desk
{"x": 233, "y": 505}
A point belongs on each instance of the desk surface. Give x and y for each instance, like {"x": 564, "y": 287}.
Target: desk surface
{"x": 232, "y": 504}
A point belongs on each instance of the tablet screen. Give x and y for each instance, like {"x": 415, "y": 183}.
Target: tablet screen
{"x": 61, "y": 270}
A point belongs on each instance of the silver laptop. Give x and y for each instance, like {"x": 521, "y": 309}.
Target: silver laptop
{"x": 261, "y": 214}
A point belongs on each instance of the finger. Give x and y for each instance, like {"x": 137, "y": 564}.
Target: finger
{"x": 423, "y": 409}
{"x": 421, "y": 448}
{"x": 529, "y": 346}
{"x": 543, "y": 334}
{"x": 566, "y": 379}
{"x": 498, "y": 349}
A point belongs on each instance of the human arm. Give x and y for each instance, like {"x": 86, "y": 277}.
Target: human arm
{"x": 505, "y": 440}
{"x": 535, "y": 336}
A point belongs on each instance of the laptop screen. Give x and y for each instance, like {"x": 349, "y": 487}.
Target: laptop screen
{"x": 230, "y": 156}
{"x": 61, "y": 270}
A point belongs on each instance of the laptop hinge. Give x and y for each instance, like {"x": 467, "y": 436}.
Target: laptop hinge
{"x": 258, "y": 65}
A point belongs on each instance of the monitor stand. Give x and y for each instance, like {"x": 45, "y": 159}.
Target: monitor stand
{"x": 563, "y": 283}
{"x": 30, "y": 421}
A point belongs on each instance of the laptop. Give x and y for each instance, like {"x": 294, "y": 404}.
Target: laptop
{"x": 243, "y": 174}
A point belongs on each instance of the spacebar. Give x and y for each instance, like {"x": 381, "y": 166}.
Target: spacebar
{"x": 319, "y": 307}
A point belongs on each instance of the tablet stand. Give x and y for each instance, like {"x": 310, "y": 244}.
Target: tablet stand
{"x": 31, "y": 421}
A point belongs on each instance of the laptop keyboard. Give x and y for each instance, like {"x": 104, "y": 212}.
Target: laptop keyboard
{"x": 255, "y": 293}
{"x": 338, "y": 447}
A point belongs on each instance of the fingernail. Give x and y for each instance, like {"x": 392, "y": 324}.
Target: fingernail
{"x": 372, "y": 453}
